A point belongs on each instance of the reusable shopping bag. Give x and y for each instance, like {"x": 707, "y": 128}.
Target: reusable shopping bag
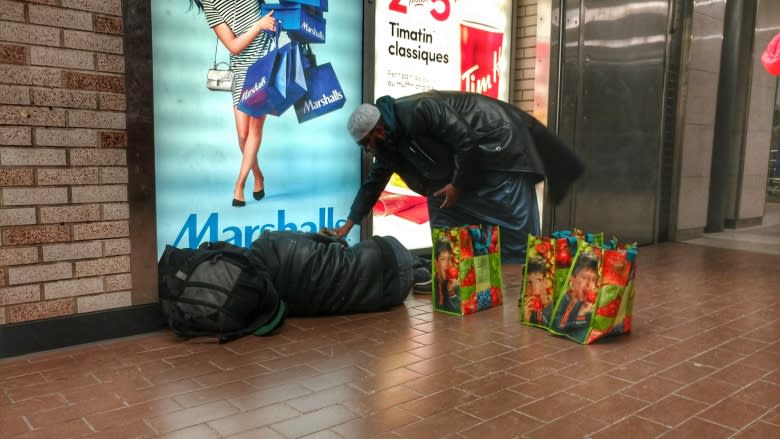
{"x": 266, "y": 82}
{"x": 295, "y": 83}
{"x": 615, "y": 297}
{"x": 556, "y": 253}
{"x": 324, "y": 93}
{"x": 592, "y": 285}
{"x": 466, "y": 269}
{"x": 298, "y": 21}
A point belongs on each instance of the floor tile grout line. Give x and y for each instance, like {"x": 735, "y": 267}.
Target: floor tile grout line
{"x": 29, "y": 425}
{"x": 709, "y": 405}
{"x": 648, "y": 404}
{"x": 777, "y": 424}
{"x": 91, "y": 427}
{"x": 755, "y": 421}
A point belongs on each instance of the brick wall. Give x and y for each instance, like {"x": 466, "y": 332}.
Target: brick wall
{"x": 64, "y": 239}
{"x": 525, "y": 54}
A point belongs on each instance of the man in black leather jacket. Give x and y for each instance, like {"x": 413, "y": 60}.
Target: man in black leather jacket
{"x": 477, "y": 159}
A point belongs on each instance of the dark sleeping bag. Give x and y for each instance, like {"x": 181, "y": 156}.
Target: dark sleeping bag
{"x": 315, "y": 274}
{"x": 224, "y": 291}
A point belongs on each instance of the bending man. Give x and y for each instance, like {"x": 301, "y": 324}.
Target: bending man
{"x": 477, "y": 159}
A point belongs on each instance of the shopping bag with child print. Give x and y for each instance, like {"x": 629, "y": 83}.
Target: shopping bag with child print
{"x": 615, "y": 298}
{"x": 597, "y": 297}
{"x": 577, "y": 285}
{"x": 466, "y": 269}
{"x": 547, "y": 265}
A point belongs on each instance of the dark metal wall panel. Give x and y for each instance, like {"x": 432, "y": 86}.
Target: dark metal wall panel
{"x": 140, "y": 149}
{"x": 618, "y": 51}
{"x": 565, "y": 83}
{"x": 671, "y": 150}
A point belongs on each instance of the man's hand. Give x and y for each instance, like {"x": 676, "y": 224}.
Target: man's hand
{"x": 451, "y": 195}
{"x": 343, "y": 230}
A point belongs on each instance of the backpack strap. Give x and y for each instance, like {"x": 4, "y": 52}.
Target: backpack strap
{"x": 175, "y": 322}
{"x": 260, "y": 326}
{"x": 271, "y": 309}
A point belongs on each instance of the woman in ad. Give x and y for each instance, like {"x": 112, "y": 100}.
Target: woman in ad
{"x": 247, "y": 37}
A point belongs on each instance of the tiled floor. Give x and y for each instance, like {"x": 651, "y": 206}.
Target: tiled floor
{"x": 703, "y": 362}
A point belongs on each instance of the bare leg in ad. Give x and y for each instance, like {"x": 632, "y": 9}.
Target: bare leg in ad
{"x": 250, "y": 135}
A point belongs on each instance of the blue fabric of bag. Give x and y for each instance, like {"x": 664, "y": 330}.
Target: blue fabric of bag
{"x": 265, "y": 82}
{"x": 319, "y": 4}
{"x": 324, "y": 93}
{"x": 308, "y": 59}
{"x": 296, "y": 20}
{"x": 296, "y": 80}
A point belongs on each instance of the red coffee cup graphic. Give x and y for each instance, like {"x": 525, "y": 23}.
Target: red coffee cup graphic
{"x": 481, "y": 47}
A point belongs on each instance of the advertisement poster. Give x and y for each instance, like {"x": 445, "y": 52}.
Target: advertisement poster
{"x": 311, "y": 169}
{"x": 435, "y": 44}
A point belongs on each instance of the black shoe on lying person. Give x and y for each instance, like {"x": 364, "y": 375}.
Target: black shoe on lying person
{"x": 422, "y": 281}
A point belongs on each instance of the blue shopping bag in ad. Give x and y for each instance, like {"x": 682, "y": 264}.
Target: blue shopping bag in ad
{"x": 324, "y": 93}
{"x": 319, "y": 4}
{"x": 296, "y": 80}
{"x": 298, "y": 22}
{"x": 265, "y": 82}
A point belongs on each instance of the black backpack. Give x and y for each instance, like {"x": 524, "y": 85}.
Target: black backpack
{"x": 214, "y": 291}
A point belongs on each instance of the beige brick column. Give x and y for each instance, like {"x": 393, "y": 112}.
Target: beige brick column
{"x": 525, "y": 54}
{"x": 64, "y": 239}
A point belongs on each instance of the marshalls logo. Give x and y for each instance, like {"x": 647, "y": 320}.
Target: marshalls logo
{"x": 249, "y": 93}
{"x": 334, "y": 97}
{"x": 193, "y": 232}
{"x": 312, "y": 31}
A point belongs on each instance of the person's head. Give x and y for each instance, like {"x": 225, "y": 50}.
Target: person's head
{"x": 366, "y": 127}
{"x": 197, "y": 4}
{"x": 534, "y": 277}
{"x": 583, "y": 276}
{"x": 442, "y": 254}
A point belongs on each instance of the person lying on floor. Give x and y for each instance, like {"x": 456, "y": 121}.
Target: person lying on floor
{"x": 227, "y": 291}
{"x": 316, "y": 274}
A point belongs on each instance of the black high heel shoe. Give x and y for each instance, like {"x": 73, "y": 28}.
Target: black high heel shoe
{"x": 238, "y": 203}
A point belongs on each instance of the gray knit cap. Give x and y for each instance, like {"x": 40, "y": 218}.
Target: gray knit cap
{"x": 362, "y": 121}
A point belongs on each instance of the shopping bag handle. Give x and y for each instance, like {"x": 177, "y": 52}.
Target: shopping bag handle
{"x": 221, "y": 63}
{"x": 277, "y": 30}
{"x": 307, "y": 52}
